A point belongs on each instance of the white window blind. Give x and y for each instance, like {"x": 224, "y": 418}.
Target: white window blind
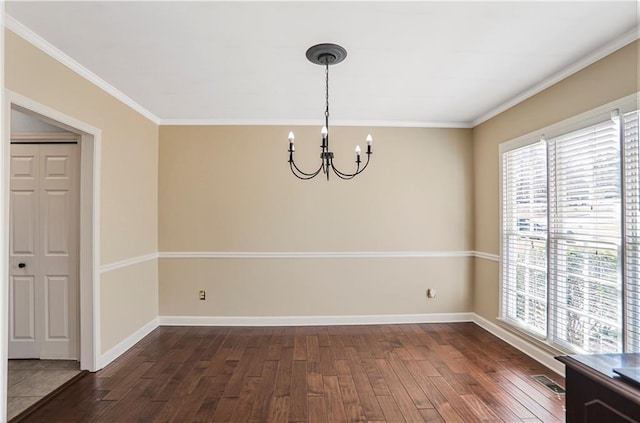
{"x": 632, "y": 231}
{"x": 585, "y": 240}
{"x": 524, "y": 255}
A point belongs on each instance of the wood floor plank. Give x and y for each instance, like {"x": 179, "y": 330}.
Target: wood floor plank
{"x": 455, "y": 400}
{"x": 236, "y": 382}
{"x": 380, "y": 387}
{"x": 318, "y": 410}
{"x": 505, "y": 406}
{"x": 481, "y": 409}
{"x": 366, "y": 394}
{"x": 260, "y": 409}
{"x": 324, "y": 339}
{"x": 334, "y": 401}
{"x": 279, "y": 410}
{"x": 129, "y": 409}
{"x": 413, "y": 389}
{"x": 448, "y": 414}
{"x": 455, "y": 372}
{"x": 300, "y": 347}
{"x": 432, "y": 416}
{"x": 327, "y": 361}
{"x": 298, "y": 405}
{"x": 224, "y": 410}
{"x": 237, "y": 348}
{"x": 246, "y": 399}
{"x": 423, "y": 380}
{"x": 218, "y": 362}
{"x": 342, "y": 367}
{"x": 283, "y": 377}
{"x": 275, "y": 348}
{"x": 314, "y": 379}
{"x": 207, "y": 410}
{"x": 313, "y": 349}
{"x": 390, "y": 409}
{"x": 353, "y": 408}
{"x": 405, "y": 403}
{"x": 126, "y": 383}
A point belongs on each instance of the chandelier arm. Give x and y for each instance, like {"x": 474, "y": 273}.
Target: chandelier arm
{"x": 302, "y": 175}
{"x": 343, "y": 175}
{"x": 293, "y": 165}
{"x": 358, "y": 169}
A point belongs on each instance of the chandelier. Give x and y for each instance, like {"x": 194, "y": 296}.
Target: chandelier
{"x": 325, "y": 55}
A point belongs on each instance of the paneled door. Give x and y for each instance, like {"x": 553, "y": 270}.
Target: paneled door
{"x": 43, "y": 252}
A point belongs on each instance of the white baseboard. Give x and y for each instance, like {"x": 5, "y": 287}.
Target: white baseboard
{"x": 314, "y": 320}
{"x": 543, "y": 357}
{"x": 127, "y": 343}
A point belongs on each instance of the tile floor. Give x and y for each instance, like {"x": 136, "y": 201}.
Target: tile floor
{"x": 31, "y": 380}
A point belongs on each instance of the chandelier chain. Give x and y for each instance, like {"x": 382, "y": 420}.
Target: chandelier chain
{"x": 326, "y": 112}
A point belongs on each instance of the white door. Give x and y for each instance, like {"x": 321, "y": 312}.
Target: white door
{"x": 43, "y": 252}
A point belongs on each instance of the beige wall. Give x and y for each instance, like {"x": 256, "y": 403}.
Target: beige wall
{"x": 314, "y": 287}
{"x": 128, "y": 174}
{"x": 229, "y": 189}
{"x": 609, "y": 79}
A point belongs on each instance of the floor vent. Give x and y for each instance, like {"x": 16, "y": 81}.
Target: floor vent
{"x": 549, "y": 384}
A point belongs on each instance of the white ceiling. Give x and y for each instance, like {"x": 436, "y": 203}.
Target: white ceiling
{"x": 409, "y": 63}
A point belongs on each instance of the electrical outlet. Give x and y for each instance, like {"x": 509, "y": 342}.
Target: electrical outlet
{"x": 202, "y": 295}
{"x": 431, "y": 293}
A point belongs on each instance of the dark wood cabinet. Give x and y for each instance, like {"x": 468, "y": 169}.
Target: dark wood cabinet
{"x": 595, "y": 394}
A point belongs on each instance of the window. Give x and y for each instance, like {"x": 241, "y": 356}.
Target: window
{"x": 585, "y": 239}
{"x": 525, "y": 237}
{"x": 570, "y": 261}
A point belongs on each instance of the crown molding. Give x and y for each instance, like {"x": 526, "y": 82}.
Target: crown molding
{"x": 313, "y": 122}
{"x": 598, "y": 54}
{"x": 27, "y": 34}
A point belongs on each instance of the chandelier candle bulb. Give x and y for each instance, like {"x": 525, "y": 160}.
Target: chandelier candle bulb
{"x": 292, "y": 148}
{"x": 324, "y": 132}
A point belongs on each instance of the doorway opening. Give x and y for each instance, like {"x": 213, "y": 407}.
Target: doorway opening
{"x": 88, "y": 141}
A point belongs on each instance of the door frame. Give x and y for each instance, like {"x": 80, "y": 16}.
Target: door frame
{"x": 89, "y": 239}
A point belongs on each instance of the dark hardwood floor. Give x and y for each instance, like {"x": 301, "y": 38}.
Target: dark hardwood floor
{"x": 388, "y": 373}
